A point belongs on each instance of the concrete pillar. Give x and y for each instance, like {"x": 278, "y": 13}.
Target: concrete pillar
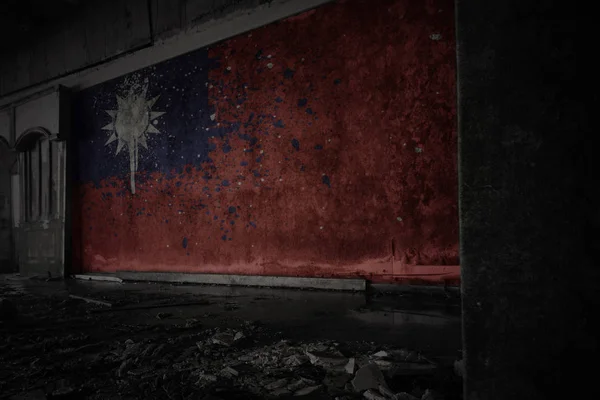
{"x": 528, "y": 218}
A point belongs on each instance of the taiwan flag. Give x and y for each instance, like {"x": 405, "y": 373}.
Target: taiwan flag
{"x": 273, "y": 153}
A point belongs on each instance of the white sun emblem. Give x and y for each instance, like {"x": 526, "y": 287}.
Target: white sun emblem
{"x": 131, "y": 122}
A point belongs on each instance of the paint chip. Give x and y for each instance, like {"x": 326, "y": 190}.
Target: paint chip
{"x": 418, "y": 150}
{"x": 399, "y": 219}
{"x": 270, "y": 65}
{"x": 213, "y": 116}
{"x": 435, "y": 36}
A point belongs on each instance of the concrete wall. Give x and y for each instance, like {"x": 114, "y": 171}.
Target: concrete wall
{"x": 39, "y": 112}
{"x": 302, "y": 148}
{"x": 5, "y": 211}
{"x": 5, "y": 129}
{"x": 529, "y": 202}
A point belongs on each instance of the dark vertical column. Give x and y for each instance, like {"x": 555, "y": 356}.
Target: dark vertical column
{"x": 527, "y": 213}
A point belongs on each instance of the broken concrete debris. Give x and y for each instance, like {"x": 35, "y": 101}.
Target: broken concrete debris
{"x": 405, "y": 396}
{"x": 331, "y": 360}
{"x": 350, "y": 366}
{"x": 277, "y": 384}
{"x": 307, "y": 390}
{"x": 373, "y": 395}
{"x": 227, "y": 338}
{"x": 383, "y": 389}
{"x": 228, "y": 371}
{"x": 368, "y": 377}
{"x": 163, "y": 315}
{"x": 183, "y": 358}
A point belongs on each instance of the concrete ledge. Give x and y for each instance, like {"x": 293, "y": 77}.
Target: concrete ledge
{"x": 390, "y": 288}
{"x": 93, "y": 277}
{"x": 248, "y": 280}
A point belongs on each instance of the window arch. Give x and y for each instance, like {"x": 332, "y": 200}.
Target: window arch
{"x": 37, "y": 155}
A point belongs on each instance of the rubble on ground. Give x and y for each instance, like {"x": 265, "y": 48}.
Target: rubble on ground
{"x": 188, "y": 361}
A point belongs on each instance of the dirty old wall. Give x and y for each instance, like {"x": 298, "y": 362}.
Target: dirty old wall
{"x": 320, "y": 145}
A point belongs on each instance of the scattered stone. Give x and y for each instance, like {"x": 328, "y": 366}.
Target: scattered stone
{"x": 294, "y": 360}
{"x": 226, "y": 339}
{"x": 331, "y": 360}
{"x": 62, "y": 388}
{"x": 163, "y": 315}
{"x": 350, "y": 366}
{"x": 368, "y": 377}
{"x": 158, "y": 351}
{"x": 337, "y": 381}
{"x": 192, "y": 323}
{"x": 384, "y": 365}
{"x": 228, "y": 371}
{"x": 381, "y": 354}
{"x": 277, "y": 384}
{"x": 148, "y": 350}
{"x": 295, "y": 386}
{"x": 131, "y": 349}
{"x": 383, "y": 389}
{"x": 373, "y": 395}
{"x": 204, "y": 378}
{"x": 307, "y": 390}
{"x": 124, "y": 367}
{"x": 280, "y": 392}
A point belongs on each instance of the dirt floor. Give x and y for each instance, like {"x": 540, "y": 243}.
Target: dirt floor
{"x": 156, "y": 341}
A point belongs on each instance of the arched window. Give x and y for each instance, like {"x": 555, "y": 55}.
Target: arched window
{"x": 38, "y": 169}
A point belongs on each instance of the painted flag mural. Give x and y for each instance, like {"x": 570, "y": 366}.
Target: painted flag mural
{"x": 320, "y": 145}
